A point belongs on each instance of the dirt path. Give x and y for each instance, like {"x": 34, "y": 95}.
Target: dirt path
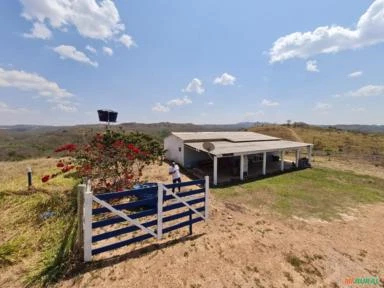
{"x": 295, "y": 135}
{"x": 240, "y": 247}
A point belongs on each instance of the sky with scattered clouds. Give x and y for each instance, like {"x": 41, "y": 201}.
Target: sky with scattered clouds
{"x": 319, "y": 62}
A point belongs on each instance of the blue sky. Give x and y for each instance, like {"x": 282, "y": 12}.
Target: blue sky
{"x": 200, "y": 61}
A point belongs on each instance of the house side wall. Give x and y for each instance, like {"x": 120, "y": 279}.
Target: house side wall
{"x": 175, "y": 149}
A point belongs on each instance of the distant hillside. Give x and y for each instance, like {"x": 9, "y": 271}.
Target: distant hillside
{"x": 28, "y": 141}
{"x": 361, "y": 128}
{"x": 332, "y": 142}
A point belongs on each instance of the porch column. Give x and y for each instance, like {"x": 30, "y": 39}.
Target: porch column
{"x": 264, "y": 163}
{"x": 309, "y": 149}
{"x": 241, "y": 167}
{"x": 215, "y": 170}
{"x": 246, "y": 164}
{"x": 297, "y": 157}
{"x": 282, "y": 160}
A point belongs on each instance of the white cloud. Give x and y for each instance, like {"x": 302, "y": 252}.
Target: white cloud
{"x": 39, "y": 31}
{"x": 127, "y": 41}
{"x": 355, "y": 74}
{"x": 210, "y": 103}
{"x": 225, "y": 79}
{"x": 70, "y": 52}
{"x": 91, "y": 49}
{"x": 358, "y": 109}
{"x": 266, "y": 102}
{"x": 108, "y": 51}
{"x": 172, "y": 103}
{"x": 254, "y": 115}
{"x": 95, "y": 19}
{"x": 4, "y": 108}
{"x": 160, "y": 108}
{"x": 311, "y": 66}
{"x": 31, "y": 82}
{"x": 367, "y": 91}
{"x": 66, "y": 107}
{"x": 92, "y": 19}
{"x": 195, "y": 86}
{"x": 179, "y": 101}
{"x": 322, "y": 106}
{"x": 332, "y": 39}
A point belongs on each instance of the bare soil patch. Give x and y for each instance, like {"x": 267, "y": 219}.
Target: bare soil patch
{"x": 243, "y": 247}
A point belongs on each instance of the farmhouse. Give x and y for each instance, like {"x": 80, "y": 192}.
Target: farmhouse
{"x": 228, "y": 156}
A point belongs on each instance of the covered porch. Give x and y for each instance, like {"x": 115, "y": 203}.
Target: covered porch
{"x": 251, "y": 161}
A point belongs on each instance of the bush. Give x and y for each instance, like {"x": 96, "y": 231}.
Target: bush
{"x": 112, "y": 160}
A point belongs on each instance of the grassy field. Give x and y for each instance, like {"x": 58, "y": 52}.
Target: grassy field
{"x": 315, "y": 193}
{"x": 37, "y": 226}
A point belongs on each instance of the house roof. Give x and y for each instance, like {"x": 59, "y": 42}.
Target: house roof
{"x": 226, "y": 148}
{"x": 240, "y": 136}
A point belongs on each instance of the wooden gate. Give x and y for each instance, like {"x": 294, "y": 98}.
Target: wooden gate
{"x": 138, "y": 214}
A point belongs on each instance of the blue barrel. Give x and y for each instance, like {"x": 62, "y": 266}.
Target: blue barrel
{"x": 148, "y": 194}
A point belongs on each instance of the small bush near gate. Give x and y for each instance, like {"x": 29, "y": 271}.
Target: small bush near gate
{"x": 113, "y": 160}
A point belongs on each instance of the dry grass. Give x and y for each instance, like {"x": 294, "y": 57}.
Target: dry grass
{"x": 13, "y": 176}
{"x": 35, "y": 249}
{"x": 159, "y": 173}
{"x": 334, "y": 143}
{"x": 277, "y": 131}
{"x": 37, "y": 225}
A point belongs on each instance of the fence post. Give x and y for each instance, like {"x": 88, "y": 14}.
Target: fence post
{"x": 206, "y": 197}
{"x": 80, "y": 232}
{"x": 87, "y": 224}
{"x": 160, "y": 190}
{"x": 29, "y": 177}
{"x": 190, "y": 222}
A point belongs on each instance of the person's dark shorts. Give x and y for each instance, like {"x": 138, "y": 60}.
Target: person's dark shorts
{"x": 177, "y": 180}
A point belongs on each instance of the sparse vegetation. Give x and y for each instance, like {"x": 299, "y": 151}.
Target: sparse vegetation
{"x": 332, "y": 142}
{"x": 305, "y": 267}
{"x": 38, "y": 226}
{"x": 25, "y": 142}
{"x": 318, "y": 192}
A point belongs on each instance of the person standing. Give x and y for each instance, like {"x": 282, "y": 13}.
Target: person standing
{"x": 174, "y": 170}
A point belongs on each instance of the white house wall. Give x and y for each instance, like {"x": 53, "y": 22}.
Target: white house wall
{"x": 175, "y": 149}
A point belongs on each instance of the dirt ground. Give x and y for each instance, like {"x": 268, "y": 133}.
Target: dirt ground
{"x": 242, "y": 247}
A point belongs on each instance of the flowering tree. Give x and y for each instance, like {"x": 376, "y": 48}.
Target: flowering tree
{"x": 112, "y": 160}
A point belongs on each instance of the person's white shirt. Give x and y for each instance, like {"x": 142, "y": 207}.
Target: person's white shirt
{"x": 174, "y": 170}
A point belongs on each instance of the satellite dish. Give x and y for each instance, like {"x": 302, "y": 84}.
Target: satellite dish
{"x": 209, "y": 146}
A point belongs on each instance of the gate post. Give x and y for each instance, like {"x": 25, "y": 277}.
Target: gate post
{"x": 80, "y": 232}
{"x": 160, "y": 190}
{"x": 206, "y": 202}
{"x": 87, "y": 224}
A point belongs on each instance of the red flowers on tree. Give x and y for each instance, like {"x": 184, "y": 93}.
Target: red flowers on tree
{"x": 113, "y": 160}
{"x": 66, "y": 147}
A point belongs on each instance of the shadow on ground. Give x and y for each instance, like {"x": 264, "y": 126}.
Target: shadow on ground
{"x": 82, "y": 268}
